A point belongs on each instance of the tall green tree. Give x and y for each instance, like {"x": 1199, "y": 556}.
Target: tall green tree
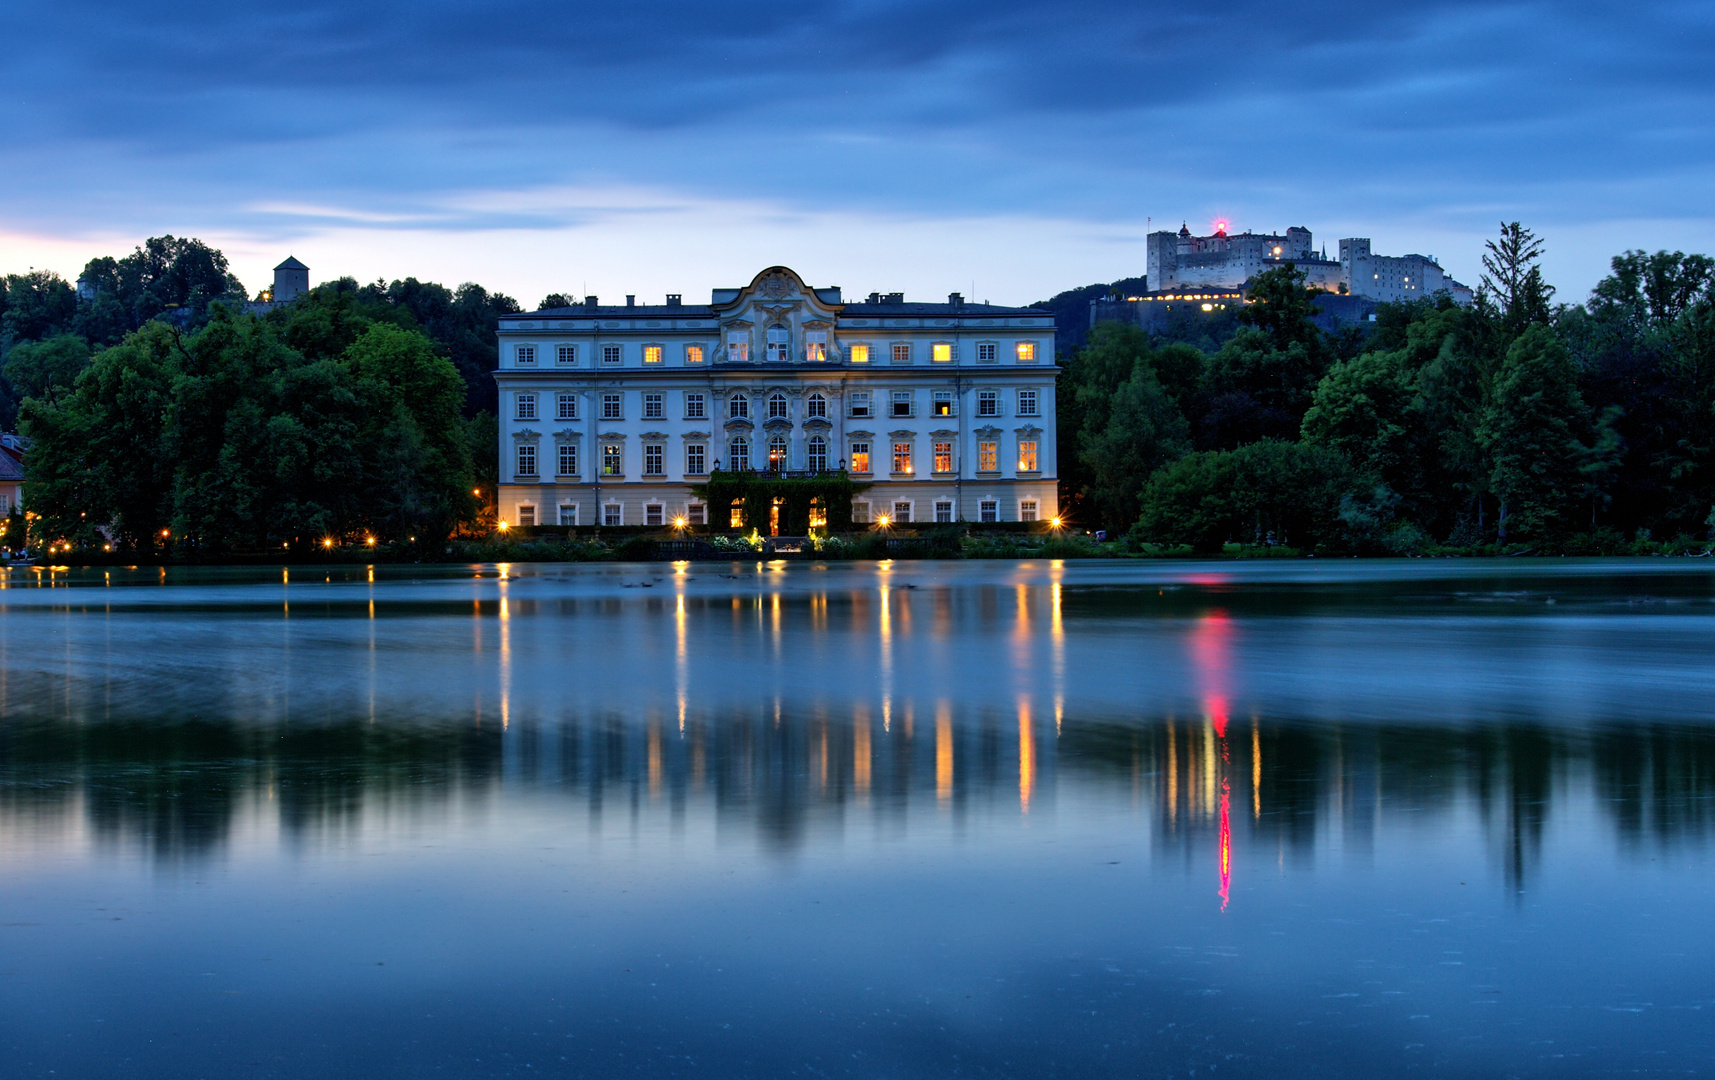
{"x": 1534, "y": 431}
{"x": 47, "y": 369}
{"x": 1512, "y": 274}
{"x": 1261, "y": 382}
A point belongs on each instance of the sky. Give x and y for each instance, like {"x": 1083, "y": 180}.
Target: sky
{"x": 1002, "y": 149}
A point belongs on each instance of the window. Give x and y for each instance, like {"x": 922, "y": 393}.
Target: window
{"x": 985, "y": 352}
{"x": 653, "y": 460}
{"x": 1027, "y": 403}
{"x": 859, "y": 402}
{"x": 693, "y": 354}
{"x": 738, "y": 345}
{"x": 695, "y": 405}
{"x": 738, "y": 407}
{"x": 943, "y": 457}
{"x": 816, "y": 407}
{"x": 652, "y": 514}
{"x": 860, "y": 354}
{"x": 611, "y": 355}
{"x": 902, "y": 513}
{"x": 818, "y": 513}
{"x": 651, "y": 354}
{"x": 777, "y": 406}
{"x": 943, "y": 511}
{"x": 943, "y": 403}
{"x": 815, "y": 346}
{"x": 778, "y": 342}
{"x": 735, "y": 517}
{"x": 901, "y": 457}
{"x": 610, "y": 406}
{"x": 777, "y": 453}
{"x": 860, "y": 512}
{"x": 526, "y": 354}
{"x": 568, "y": 459}
{"x": 988, "y": 403}
{"x": 988, "y": 457}
{"x": 860, "y": 458}
{"x": 566, "y": 354}
{"x": 654, "y": 406}
{"x": 613, "y": 514}
{"x": 902, "y": 352}
{"x": 1027, "y": 510}
{"x": 1027, "y": 355}
{"x": 526, "y": 459}
{"x": 565, "y": 406}
{"x": 697, "y": 513}
{"x": 612, "y": 459}
{"x": 988, "y": 510}
{"x": 1027, "y": 455}
{"x": 526, "y": 406}
{"x": 941, "y": 352}
{"x": 738, "y": 455}
{"x": 526, "y": 514}
{"x": 901, "y": 403}
{"x": 568, "y": 514}
{"x": 817, "y": 454}
{"x": 696, "y": 459}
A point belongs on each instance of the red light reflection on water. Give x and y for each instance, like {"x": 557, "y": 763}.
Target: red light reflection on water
{"x": 1211, "y": 654}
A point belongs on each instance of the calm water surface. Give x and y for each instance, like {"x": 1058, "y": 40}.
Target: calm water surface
{"x": 918, "y": 819}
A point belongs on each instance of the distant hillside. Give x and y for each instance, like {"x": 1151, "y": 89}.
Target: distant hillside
{"x": 1072, "y": 309}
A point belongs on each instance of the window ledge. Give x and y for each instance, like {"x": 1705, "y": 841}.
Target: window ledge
{"x": 902, "y": 476}
{"x": 1028, "y": 474}
{"x": 942, "y": 475}
{"x": 572, "y": 476}
{"x": 526, "y": 478}
{"x": 854, "y": 472}
{"x": 988, "y": 472}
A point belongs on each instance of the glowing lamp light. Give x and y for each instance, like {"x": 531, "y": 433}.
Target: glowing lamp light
{"x": 166, "y": 532}
{"x": 327, "y": 542}
{"x": 679, "y": 522}
{"x": 477, "y": 492}
{"x": 1054, "y": 522}
{"x": 1208, "y": 307}
{"x": 370, "y": 540}
{"x": 504, "y": 526}
{"x": 884, "y": 521}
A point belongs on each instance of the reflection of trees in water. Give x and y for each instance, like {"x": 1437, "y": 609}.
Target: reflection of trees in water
{"x": 177, "y": 789}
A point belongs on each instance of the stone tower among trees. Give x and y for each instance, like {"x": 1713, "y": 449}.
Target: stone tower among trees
{"x": 291, "y": 280}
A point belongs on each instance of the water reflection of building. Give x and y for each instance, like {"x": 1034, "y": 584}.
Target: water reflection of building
{"x": 786, "y": 776}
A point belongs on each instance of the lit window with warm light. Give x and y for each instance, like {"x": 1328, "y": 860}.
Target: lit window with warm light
{"x": 860, "y": 354}
{"x": 860, "y": 458}
{"x": 693, "y": 354}
{"x": 1027, "y": 352}
{"x": 652, "y": 354}
{"x": 1027, "y": 455}
{"x": 612, "y": 459}
{"x": 902, "y": 458}
{"x": 988, "y": 457}
{"x": 816, "y": 346}
{"x": 943, "y": 457}
{"x": 941, "y": 352}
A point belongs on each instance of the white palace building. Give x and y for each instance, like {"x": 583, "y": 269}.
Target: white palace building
{"x": 609, "y": 415}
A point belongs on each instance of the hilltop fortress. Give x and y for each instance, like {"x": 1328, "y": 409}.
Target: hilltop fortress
{"x": 1179, "y": 262}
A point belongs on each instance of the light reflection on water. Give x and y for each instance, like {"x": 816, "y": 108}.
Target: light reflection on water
{"x": 1013, "y": 818}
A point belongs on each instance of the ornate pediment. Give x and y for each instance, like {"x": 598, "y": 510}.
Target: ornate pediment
{"x": 526, "y": 435}
{"x": 567, "y": 434}
{"x": 694, "y": 435}
{"x": 987, "y": 431}
{"x": 944, "y": 433}
{"x": 858, "y": 433}
{"x": 739, "y": 422}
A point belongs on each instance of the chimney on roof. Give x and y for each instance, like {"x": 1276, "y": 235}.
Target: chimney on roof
{"x": 956, "y": 299}
{"x": 874, "y": 298}
{"x": 895, "y": 298}
{"x": 590, "y": 301}
{"x": 630, "y": 300}
{"x": 673, "y": 299}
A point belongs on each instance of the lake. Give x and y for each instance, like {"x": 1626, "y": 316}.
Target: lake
{"x": 1084, "y": 819}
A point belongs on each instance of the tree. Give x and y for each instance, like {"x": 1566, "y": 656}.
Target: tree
{"x": 1144, "y": 431}
{"x": 556, "y": 300}
{"x": 1532, "y": 432}
{"x": 1260, "y": 383}
{"x": 47, "y": 369}
{"x": 1366, "y": 410}
{"x": 39, "y": 305}
{"x": 164, "y": 274}
{"x": 1513, "y": 276}
{"x": 1287, "y": 491}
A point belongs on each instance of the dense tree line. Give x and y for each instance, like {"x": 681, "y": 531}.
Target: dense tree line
{"x": 1514, "y": 422}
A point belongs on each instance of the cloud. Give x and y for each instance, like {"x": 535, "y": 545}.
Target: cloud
{"x": 1439, "y": 117}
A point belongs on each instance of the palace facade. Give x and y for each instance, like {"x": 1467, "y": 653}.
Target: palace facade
{"x": 610, "y": 415}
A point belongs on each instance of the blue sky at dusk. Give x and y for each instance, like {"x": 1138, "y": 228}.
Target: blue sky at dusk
{"x": 1008, "y": 150}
